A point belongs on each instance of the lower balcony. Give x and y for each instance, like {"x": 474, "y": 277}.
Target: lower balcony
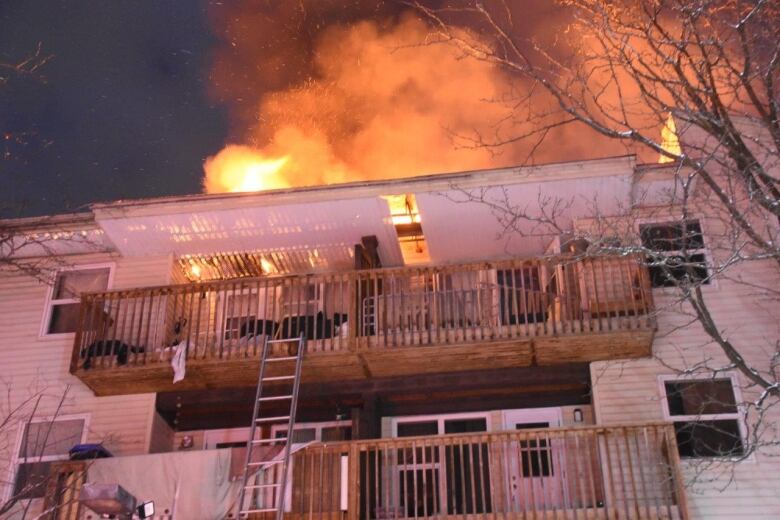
{"x": 366, "y": 324}
{"x": 625, "y": 472}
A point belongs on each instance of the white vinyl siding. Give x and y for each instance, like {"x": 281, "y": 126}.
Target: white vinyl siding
{"x": 629, "y": 391}
{"x": 32, "y": 364}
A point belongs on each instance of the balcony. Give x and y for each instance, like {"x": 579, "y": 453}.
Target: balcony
{"x": 370, "y": 323}
{"x": 627, "y": 472}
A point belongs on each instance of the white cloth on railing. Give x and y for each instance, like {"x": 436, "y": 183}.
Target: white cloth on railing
{"x": 179, "y": 361}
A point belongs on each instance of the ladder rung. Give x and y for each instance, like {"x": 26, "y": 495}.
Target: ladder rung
{"x": 271, "y": 419}
{"x": 284, "y": 340}
{"x": 247, "y": 511}
{"x": 261, "y": 486}
{"x": 285, "y": 358}
{"x": 275, "y": 398}
{"x": 265, "y": 463}
{"x": 268, "y": 441}
{"x": 278, "y": 378}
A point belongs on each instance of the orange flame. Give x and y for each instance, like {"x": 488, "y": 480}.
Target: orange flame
{"x": 241, "y": 168}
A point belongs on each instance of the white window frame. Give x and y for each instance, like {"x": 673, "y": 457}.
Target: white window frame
{"x": 739, "y": 415}
{"x": 17, "y": 460}
{"x": 712, "y": 283}
{"x": 212, "y": 437}
{"x": 316, "y": 426}
{"x": 224, "y": 303}
{"x": 439, "y": 418}
{"x": 51, "y": 302}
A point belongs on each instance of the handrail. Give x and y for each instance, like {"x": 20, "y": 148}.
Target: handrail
{"x": 356, "y": 310}
{"x": 624, "y": 471}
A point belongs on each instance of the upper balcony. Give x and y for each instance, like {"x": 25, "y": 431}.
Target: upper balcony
{"x": 368, "y": 323}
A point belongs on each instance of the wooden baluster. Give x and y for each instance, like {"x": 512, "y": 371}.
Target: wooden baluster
{"x": 549, "y": 300}
{"x": 558, "y": 453}
{"x": 591, "y": 467}
{"x": 321, "y": 487}
{"x": 649, "y": 463}
{"x": 597, "y": 307}
{"x": 481, "y": 475}
{"x": 549, "y": 484}
{"x": 611, "y": 501}
{"x": 82, "y": 335}
{"x": 191, "y": 349}
{"x": 576, "y": 485}
{"x": 531, "y": 450}
{"x": 677, "y": 476}
{"x": 625, "y": 434}
{"x": 113, "y": 323}
{"x": 122, "y": 326}
{"x": 518, "y": 303}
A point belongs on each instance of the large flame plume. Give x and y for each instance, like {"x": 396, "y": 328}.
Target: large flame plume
{"x": 381, "y": 105}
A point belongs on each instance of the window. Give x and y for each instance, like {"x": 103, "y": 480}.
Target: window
{"x": 706, "y": 417}
{"x": 536, "y": 455}
{"x": 41, "y": 443}
{"x": 323, "y": 431}
{"x": 667, "y": 241}
{"x": 331, "y": 431}
{"x": 240, "y": 315}
{"x": 63, "y": 310}
{"x": 436, "y": 479}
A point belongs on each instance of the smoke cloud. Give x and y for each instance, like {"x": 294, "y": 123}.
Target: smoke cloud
{"x": 365, "y": 100}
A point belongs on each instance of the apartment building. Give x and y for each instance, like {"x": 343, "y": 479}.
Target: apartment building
{"x": 457, "y": 364}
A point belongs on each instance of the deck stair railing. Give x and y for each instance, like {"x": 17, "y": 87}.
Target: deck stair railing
{"x": 379, "y": 308}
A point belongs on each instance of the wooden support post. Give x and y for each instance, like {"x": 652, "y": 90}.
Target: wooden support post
{"x": 369, "y": 418}
{"x": 353, "y": 483}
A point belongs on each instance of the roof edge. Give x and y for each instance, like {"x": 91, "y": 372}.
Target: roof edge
{"x": 351, "y": 189}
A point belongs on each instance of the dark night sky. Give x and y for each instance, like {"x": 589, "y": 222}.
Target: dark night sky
{"x": 123, "y": 111}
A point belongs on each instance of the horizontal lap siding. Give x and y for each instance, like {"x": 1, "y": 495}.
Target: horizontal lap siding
{"x": 630, "y": 390}
{"x": 30, "y": 363}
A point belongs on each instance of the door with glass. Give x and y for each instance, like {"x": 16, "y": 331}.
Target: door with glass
{"x": 536, "y": 465}
{"x": 435, "y": 478}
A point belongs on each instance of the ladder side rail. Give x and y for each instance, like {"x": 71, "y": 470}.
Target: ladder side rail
{"x": 253, "y": 428}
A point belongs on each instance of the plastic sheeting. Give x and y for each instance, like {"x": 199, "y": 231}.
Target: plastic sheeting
{"x": 191, "y": 485}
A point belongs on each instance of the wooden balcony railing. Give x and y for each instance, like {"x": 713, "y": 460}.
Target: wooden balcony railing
{"x": 354, "y": 311}
{"x": 627, "y": 472}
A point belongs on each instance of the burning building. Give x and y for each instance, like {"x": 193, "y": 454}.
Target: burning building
{"x": 438, "y": 364}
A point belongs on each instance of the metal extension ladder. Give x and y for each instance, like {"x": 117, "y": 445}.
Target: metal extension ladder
{"x": 277, "y": 489}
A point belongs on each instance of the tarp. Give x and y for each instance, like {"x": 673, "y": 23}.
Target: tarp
{"x": 191, "y": 485}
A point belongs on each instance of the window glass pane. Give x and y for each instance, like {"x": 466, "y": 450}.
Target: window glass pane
{"x": 531, "y": 425}
{"x": 700, "y": 397}
{"x": 64, "y": 318}
{"x": 670, "y": 236}
{"x": 709, "y": 438}
{"x": 678, "y": 269}
{"x": 465, "y": 425}
{"x": 31, "y": 479}
{"x": 299, "y": 435}
{"x": 536, "y": 458}
{"x": 70, "y": 284}
{"x": 336, "y": 433}
{"x": 51, "y": 438}
{"x": 413, "y": 429}
{"x": 236, "y": 444}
